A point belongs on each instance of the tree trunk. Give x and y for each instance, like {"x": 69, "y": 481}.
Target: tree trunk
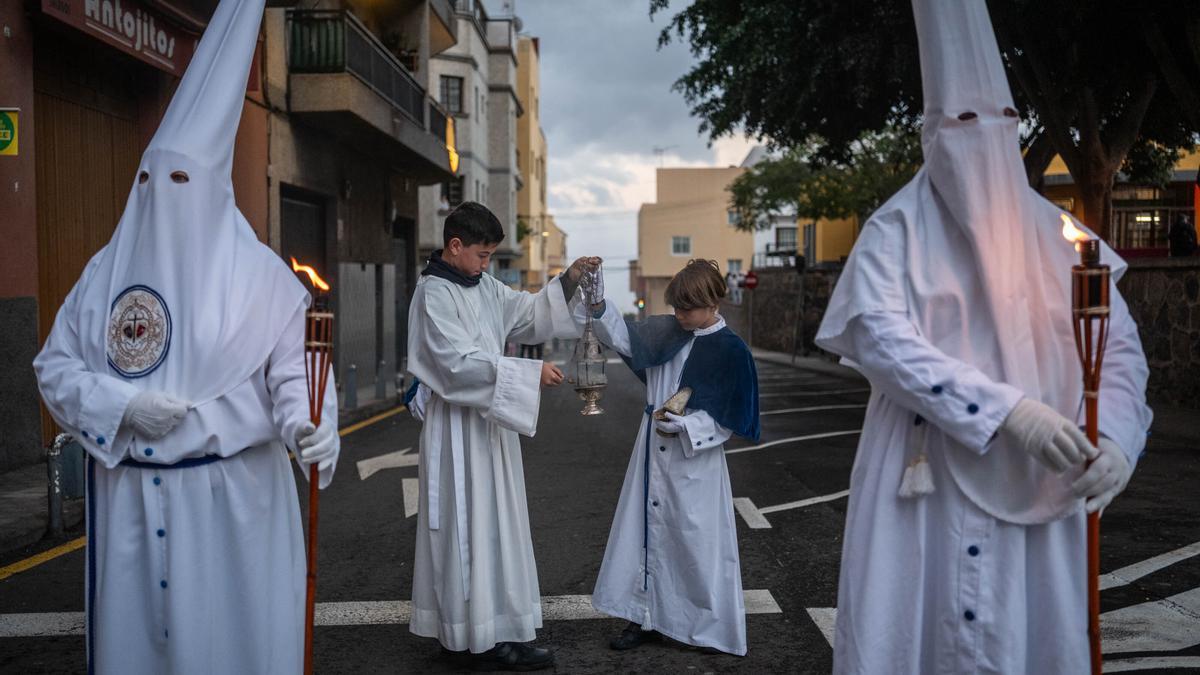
{"x": 1096, "y": 194}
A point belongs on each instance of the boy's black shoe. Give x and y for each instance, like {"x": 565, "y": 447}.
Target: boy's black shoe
{"x": 513, "y": 656}
{"x": 633, "y": 636}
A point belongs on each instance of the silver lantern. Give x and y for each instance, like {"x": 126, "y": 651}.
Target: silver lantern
{"x": 587, "y": 363}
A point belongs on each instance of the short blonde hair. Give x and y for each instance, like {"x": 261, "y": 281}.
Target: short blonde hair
{"x": 698, "y": 284}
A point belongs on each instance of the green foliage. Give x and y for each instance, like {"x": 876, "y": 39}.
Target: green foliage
{"x": 1150, "y": 164}
{"x": 523, "y": 230}
{"x": 1095, "y": 78}
{"x": 875, "y": 167}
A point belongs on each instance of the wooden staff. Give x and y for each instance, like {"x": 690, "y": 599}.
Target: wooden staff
{"x": 1090, "y": 305}
{"x": 318, "y": 352}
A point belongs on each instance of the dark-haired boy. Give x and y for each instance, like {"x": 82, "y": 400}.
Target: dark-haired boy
{"x": 475, "y": 584}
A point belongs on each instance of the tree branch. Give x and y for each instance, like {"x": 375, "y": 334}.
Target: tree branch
{"x": 1124, "y": 131}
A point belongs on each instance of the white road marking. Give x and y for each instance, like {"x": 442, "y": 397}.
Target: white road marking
{"x": 794, "y": 439}
{"x": 805, "y": 502}
{"x": 750, "y": 513}
{"x": 372, "y": 613}
{"x": 1166, "y": 625}
{"x": 412, "y": 495}
{"x": 1149, "y": 662}
{"x": 829, "y": 392}
{"x": 756, "y": 518}
{"x": 826, "y": 620}
{"x": 1160, "y": 626}
{"x": 1131, "y": 573}
{"x": 814, "y": 408}
{"x": 392, "y": 460}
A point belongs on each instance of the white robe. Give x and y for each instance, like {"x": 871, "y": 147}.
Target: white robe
{"x": 474, "y": 579}
{"x": 192, "y": 569}
{"x": 671, "y": 563}
{"x": 935, "y": 584}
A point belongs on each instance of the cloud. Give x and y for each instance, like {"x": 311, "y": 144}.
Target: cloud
{"x": 606, "y": 105}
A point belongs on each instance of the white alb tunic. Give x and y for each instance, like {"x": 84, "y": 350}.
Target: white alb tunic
{"x": 475, "y": 580}
{"x": 190, "y": 568}
{"x": 672, "y": 563}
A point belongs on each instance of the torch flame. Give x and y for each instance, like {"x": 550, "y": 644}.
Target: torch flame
{"x": 1070, "y": 232}
{"x": 312, "y": 275}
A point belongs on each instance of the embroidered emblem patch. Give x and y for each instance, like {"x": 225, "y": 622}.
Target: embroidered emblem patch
{"x": 139, "y": 332}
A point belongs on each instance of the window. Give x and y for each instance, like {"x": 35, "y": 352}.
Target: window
{"x": 734, "y": 265}
{"x": 733, "y": 217}
{"x": 785, "y": 238}
{"x": 452, "y": 93}
{"x": 452, "y": 192}
{"x": 681, "y": 245}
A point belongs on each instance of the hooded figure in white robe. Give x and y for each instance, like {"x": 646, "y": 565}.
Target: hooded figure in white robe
{"x": 177, "y": 361}
{"x": 475, "y": 584}
{"x": 965, "y": 531}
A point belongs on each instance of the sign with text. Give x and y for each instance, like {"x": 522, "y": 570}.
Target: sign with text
{"x": 8, "y": 131}
{"x": 128, "y": 26}
{"x": 751, "y": 281}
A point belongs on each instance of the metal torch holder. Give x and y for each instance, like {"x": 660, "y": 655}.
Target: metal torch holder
{"x": 1090, "y": 308}
{"x": 318, "y": 355}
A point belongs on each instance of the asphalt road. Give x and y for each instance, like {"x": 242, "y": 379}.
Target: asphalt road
{"x": 574, "y": 468}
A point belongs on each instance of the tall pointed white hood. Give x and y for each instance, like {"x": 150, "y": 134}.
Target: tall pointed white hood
{"x": 985, "y": 268}
{"x": 184, "y": 298}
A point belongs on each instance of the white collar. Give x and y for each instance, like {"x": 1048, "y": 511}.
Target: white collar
{"x": 701, "y": 332}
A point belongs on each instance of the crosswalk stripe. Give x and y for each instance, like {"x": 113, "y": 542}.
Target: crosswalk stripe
{"x": 369, "y": 613}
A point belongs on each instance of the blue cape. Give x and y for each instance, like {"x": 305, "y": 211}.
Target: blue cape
{"x": 719, "y": 369}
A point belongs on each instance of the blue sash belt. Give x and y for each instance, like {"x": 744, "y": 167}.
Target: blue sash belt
{"x": 181, "y": 464}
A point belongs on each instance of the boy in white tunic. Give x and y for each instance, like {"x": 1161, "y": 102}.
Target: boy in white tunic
{"x": 475, "y": 584}
{"x": 671, "y": 566}
{"x": 177, "y": 361}
{"x": 965, "y": 533}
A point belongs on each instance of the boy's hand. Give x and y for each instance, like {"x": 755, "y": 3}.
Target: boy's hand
{"x": 551, "y": 375}
{"x": 581, "y": 265}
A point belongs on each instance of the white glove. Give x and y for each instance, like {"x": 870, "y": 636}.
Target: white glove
{"x": 317, "y": 445}
{"x": 419, "y": 402}
{"x": 153, "y": 414}
{"x": 1105, "y": 478}
{"x": 592, "y": 285}
{"x": 672, "y": 425}
{"x": 1052, "y": 439}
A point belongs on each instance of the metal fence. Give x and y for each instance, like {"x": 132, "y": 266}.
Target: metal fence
{"x": 334, "y": 41}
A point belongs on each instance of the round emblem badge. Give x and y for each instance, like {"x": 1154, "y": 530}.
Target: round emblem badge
{"x": 139, "y": 332}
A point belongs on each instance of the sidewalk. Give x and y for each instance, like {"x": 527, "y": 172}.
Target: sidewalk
{"x": 24, "y": 509}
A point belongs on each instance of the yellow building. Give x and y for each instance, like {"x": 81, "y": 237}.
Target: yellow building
{"x": 689, "y": 219}
{"x": 554, "y": 245}
{"x": 1140, "y": 214}
{"x": 540, "y": 234}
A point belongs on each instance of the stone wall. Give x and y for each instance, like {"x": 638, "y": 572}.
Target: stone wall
{"x": 775, "y": 307}
{"x": 1163, "y": 296}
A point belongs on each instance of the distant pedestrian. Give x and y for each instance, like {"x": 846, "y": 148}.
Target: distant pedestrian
{"x": 1182, "y": 237}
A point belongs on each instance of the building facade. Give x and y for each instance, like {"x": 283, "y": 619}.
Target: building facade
{"x": 353, "y": 137}
{"x": 543, "y": 244}
{"x": 476, "y": 83}
{"x": 1141, "y": 214}
{"x": 688, "y": 219}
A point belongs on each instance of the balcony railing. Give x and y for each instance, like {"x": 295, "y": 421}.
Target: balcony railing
{"x": 335, "y": 41}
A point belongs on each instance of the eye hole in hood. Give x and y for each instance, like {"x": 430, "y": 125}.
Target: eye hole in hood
{"x": 179, "y": 176}
{"x": 143, "y": 177}
{"x": 967, "y": 116}
{"x": 1009, "y": 112}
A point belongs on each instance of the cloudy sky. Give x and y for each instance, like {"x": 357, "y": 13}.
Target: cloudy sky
{"x": 606, "y": 103}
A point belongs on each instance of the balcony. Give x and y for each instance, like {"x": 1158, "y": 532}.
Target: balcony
{"x": 349, "y": 85}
